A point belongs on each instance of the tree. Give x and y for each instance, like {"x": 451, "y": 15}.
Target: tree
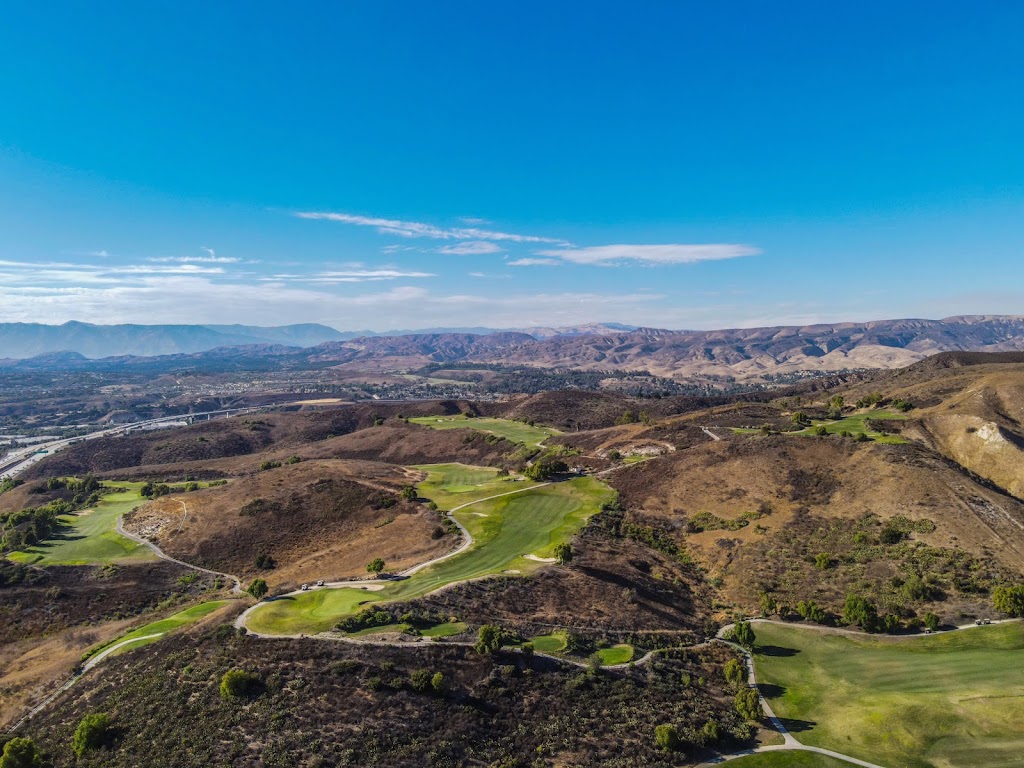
{"x": 627, "y": 417}
{"x": 239, "y": 684}
{"x": 420, "y": 680}
{"x": 743, "y": 633}
{"x": 438, "y": 683}
{"x": 735, "y": 672}
{"x": 861, "y": 611}
{"x": 489, "y": 639}
{"x": 821, "y": 431}
{"x": 748, "y": 704}
{"x": 667, "y": 737}
{"x": 932, "y": 621}
{"x": 563, "y": 553}
{"x": 1009, "y": 600}
{"x": 408, "y": 493}
{"x": 375, "y": 566}
{"x": 258, "y": 588}
{"x": 92, "y": 733}
{"x": 769, "y": 605}
{"x": 800, "y": 419}
{"x": 21, "y": 753}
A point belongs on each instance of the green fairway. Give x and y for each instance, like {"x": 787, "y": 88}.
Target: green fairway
{"x": 90, "y": 537}
{"x": 503, "y": 530}
{"x": 952, "y": 700}
{"x": 515, "y": 431}
{"x": 553, "y": 643}
{"x": 447, "y": 629}
{"x": 449, "y": 485}
{"x": 616, "y": 654}
{"x": 171, "y": 623}
{"x": 788, "y": 758}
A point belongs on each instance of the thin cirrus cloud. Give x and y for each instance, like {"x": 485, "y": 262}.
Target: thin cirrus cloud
{"x": 351, "y": 276}
{"x": 674, "y": 253}
{"x": 420, "y": 229}
{"x": 471, "y": 248}
{"x": 528, "y": 262}
{"x": 477, "y": 242}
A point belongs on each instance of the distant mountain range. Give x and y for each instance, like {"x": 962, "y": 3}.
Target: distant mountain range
{"x": 20, "y": 341}
{"x": 748, "y": 353}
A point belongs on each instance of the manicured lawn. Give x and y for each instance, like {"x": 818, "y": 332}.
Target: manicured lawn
{"x": 505, "y": 529}
{"x": 447, "y": 629}
{"x": 515, "y": 431}
{"x": 553, "y": 643}
{"x": 953, "y": 700}
{"x": 617, "y": 654}
{"x": 449, "y": 485}
{"x": 171, "y": 623}
{"x": 90, "y": 537}
{"x": 789, "y": 758}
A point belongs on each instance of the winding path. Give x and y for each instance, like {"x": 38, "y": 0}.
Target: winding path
{"x": 376, "y": 584}
{"x": 236, "y": 589}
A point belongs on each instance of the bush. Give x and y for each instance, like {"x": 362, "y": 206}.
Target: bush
{"x": 420, "y": 680}
{"x": 239, "y": 684}
{"x": 932, "y": 621}
{"x": 861, "y": 611}
{"x": 438, "y": 683}
{"x": 489, "y": 639}
{"x": 375, "y": 566}
{"x": 1009, "y": 600}
{"x": 93, "y": 732}
{"x": 823, "y": 561}
{"x": 258, "y": 588}
{"x": 735, "y": 672}
{"x": 667, "y": 737}
{"x": 264, "y": 466}
{"x": 748, "y": 704}
{"x": 21, "y": 753}
{"x": 563, "y": 553}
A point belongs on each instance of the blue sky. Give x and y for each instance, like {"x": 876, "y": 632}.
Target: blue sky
{"x": 399, "y": 165}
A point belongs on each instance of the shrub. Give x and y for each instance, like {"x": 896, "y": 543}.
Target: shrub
{"x": 258, "y": 588}
{"x": 748, "y": 704}
{"x": 239, "y": 684}
{"x": 489, "y": 639}
{"x": 264, "y": 466}
{"x": 375, "y": 566}
{"x": 823, "y": 561}
{"x": 735, "y": 672}
{"x": 811, "y": 611}
{"x": 1009, "y": 600}
{"x": 93, "y": 732}
{"x": 932, "y": 621}
{"x": 861, "y": 611}
{"x": 743, "y": 634}
{"x": 408, "y": 493}
{"x": 563, "y": 553}
{"x": 420, "y": 680}
{"x": 667, "y": 737}
{"x": 21, "y": 753}
{"x": 438, "y": 683}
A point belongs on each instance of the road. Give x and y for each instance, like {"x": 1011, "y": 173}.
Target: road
{"x": 18, "y": 461}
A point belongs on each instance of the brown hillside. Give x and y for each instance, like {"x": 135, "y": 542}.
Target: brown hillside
{"x": 804, "y": 496}
{"x": 311, "y": 518}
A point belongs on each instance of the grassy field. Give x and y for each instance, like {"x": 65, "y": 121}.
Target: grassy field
{"x": 449, "y": 485}
{"x": 953, "y": 700}
{"x": 90, "y": 537}
{"x": 515, "y": 431}
{"x": 171, "y": 623}
{"x": 553, "y": 643}
{"x": 789, "y": 758}
{"x": 616, "y": 654}
{"x": 503, "y": 530}
{"x": 855, "y": 424}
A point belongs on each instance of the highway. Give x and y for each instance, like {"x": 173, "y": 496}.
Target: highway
{"x": 18, "y": 461}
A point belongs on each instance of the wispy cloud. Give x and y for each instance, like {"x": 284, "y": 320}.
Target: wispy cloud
{"x": 420, "y": 229}
{"x": 674, "y": 253}
{"x": 350, "y": 276}
{"x": 471, "y": 248}
{"x": 211, "y": 259}
{"x": 528, "y": 262}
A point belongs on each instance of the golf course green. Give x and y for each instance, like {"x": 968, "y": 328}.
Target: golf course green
{"x": 516, "y": 431}
{"x": 504, "y": 530}
{"x": 952, "y": 700}
{"x": 90, "y": 537}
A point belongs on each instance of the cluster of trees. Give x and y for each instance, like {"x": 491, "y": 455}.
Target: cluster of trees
{"x": 31, "y": 525}
{"x": 628, "y": 416}
{"x": 545, "y": 467}
{"x": 1009, "y": 600}
{"x": 156, "y": 490}
{"x": 94, "y": 731}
